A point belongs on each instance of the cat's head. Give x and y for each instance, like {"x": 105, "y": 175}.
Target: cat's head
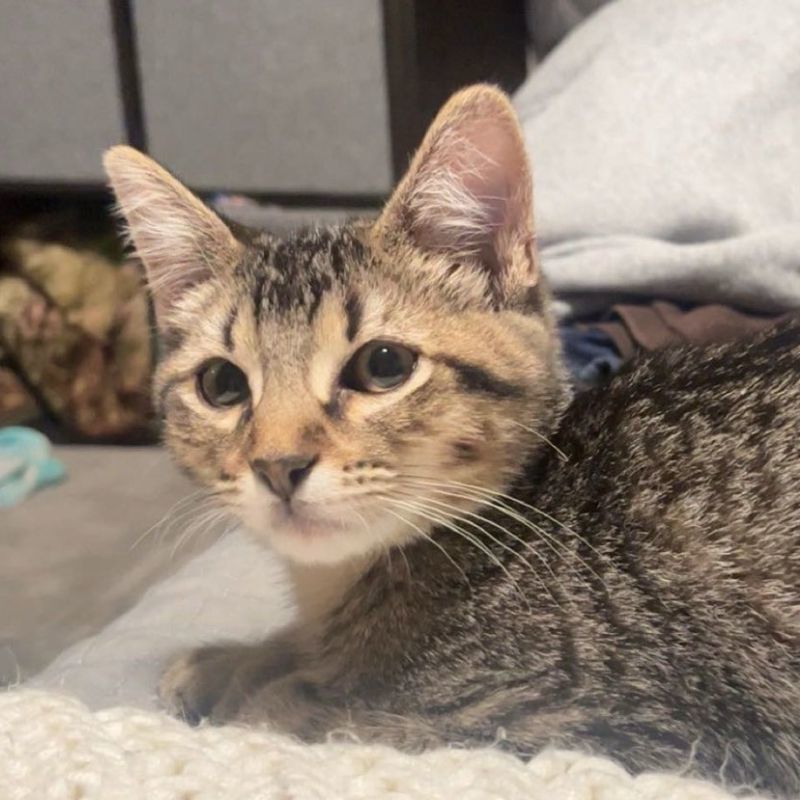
{"x": 344, "y": 388}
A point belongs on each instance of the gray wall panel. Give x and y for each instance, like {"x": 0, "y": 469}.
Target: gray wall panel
{"x": 58, "y": 89}
{"x": 267, "y": 95}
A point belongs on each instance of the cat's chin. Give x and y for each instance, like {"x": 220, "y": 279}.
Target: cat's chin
{"x": 316, "y": 538}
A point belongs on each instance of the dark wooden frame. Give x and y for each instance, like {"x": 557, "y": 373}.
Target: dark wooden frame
{"x": 129, "y": 76}
{"x": 432, "y": 48}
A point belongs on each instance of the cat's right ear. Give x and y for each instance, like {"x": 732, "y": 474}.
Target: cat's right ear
{"x": 467, "y": 194}
{"x": 178, "y": 238}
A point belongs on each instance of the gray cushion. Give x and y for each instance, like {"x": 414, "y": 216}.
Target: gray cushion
{"x": 75, "y": 555}
{"x": 235, "y": 590}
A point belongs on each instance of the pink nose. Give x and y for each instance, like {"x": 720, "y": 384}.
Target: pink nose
{"x": 283, "y": 475}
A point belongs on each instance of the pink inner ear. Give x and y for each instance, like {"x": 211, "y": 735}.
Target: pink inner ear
{"x": 491, "y": 168}
{"x": 469, "y": 189}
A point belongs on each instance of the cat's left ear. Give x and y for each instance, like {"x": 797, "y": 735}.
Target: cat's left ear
{"x": 179, "y": 239}
{"x": 468, "y": 192}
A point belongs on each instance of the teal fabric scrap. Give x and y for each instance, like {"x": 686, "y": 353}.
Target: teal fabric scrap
{"x": 26, "y": 463}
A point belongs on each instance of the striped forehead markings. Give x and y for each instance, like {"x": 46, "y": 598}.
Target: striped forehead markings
{"x": 297, "y": 272}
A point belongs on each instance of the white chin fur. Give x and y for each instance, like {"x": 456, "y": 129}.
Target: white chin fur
{"x": 318, "y": 532}
{"x": 320, "y": 543}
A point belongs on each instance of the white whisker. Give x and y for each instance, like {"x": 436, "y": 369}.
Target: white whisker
{"x": 178, "y": 509}
{"x": 561, "y": 454}
{"x": 493, "y": 499}
{"x": 426, "y": 535}
{"x": 449, "y": 524}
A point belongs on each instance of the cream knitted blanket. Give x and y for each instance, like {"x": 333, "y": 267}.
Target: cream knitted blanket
{"x": 53, "y": 748}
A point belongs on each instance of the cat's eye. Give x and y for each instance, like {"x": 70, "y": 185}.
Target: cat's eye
{"x": 222, "y": 384}
{"x": 379, "y": 367}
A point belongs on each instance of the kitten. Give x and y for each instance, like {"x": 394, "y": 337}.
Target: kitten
{"x": 384, "y": 404}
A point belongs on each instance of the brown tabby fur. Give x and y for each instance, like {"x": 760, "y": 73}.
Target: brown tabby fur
{"x": 473, "y": 563}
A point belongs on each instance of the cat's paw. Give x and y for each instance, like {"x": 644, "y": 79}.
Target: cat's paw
{"x": 214, "y": 682}
{"x": 195, "y": 684}
{"x": 188, "y": 689}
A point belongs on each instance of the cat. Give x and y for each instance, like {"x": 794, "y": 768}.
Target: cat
{"x": 475, "y": 559}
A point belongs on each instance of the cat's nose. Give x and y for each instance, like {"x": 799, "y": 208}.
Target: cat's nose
{"x": 283, "y": 475}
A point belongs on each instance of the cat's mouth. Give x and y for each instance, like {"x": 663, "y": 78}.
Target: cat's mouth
{"x": 323, "y": 531}
{"x": 323, "y": 524}
{"x": 307, "y": 532}
{"x": 308, "y": 520}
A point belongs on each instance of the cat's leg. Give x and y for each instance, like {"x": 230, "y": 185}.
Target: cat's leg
{"x": 309, "y": 703}
{"x": 296, "y": 706}
{"x": 213, "y": 682}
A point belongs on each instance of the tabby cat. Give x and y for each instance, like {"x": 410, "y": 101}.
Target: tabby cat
{"x": 474, "y": 561}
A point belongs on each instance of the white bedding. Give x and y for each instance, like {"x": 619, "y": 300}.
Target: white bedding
{"x": 53, "y": 747}
{"x": 235, "y": 590}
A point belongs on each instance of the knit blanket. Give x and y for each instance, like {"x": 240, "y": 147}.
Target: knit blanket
{"x": 53, "y": 747}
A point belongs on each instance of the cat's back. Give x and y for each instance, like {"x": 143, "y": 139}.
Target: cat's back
{"x": 692, "y": 451}
{"x": 698, "y": 406}
{"x": 722, "y": 385}
{"x": 680, "y": 498}
{"x": 755, "y": 375}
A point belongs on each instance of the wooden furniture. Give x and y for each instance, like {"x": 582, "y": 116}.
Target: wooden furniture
{"x": 297, "y": 100}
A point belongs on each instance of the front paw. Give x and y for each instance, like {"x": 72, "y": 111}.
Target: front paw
{"x": 214, "y": 682}
{"x": 194, "y": 684}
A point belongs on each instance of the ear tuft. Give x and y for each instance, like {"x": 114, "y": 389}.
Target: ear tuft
{"x": 467, "y": 193}
{"x": 178, "y": 238}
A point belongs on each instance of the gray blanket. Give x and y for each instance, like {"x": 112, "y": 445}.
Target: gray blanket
{"x": 665, "y": 137}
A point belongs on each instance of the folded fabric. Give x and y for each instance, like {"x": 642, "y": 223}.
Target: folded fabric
{"x": 590, "y": 355}
{"x": 633, "y": 328}
{"x": 26, "y": 463}
{"x": 665, "y": 144}
{"x": 549, "y": 21}
{"x": 75, "y": 327}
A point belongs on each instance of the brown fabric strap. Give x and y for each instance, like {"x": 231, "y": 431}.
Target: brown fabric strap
{"x": 649, "y": 327}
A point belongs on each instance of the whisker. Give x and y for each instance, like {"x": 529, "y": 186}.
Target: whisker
{"x": 180, "y": 510}
{"x": 200, "y": 527}
{"x": 484, "y": 520}
{"x": 531, "y": 508}
{"x": 551, "y": 541}
{"x": 494, "y": 500}
{"x": 445, "y": 522}
{"x": 561, "y": 454}
{"x": 408, "y": 566}
{"x": 188, "y": 517}
{"x": 493, "y": 494}
{"x": 426, "y": 535}
{"x": 361, "y": 519}
{"x": 460, "y": 513}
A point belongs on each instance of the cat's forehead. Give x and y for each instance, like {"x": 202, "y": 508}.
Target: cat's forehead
{"x": 292, "y": 274}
